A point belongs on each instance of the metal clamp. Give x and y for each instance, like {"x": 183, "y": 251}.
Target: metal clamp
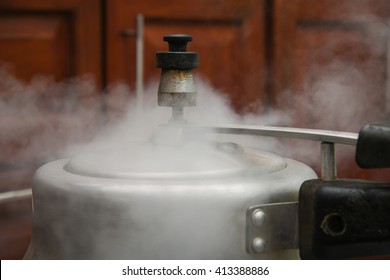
{"x": 272, "y": 227}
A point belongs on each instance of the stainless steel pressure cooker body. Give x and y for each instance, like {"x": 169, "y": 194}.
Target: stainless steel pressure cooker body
{"x": 180, "y": 195}
{"x": 122, "y": 204}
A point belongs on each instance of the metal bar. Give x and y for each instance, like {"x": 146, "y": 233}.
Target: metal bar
{"x": 347, "y": 138}
{"x": 15, "y": 195}
{"x": 328, "y": 161}
{"x": 272, "y": 227}
{"x": 139, "y": 60}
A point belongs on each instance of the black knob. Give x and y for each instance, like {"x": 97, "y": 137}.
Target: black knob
{"x": 177, "y": 42}
{"x": 177, "y": 57}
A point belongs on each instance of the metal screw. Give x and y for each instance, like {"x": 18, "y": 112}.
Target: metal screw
{"x": 258, "y": 244}
{"x": 258, "y": 217}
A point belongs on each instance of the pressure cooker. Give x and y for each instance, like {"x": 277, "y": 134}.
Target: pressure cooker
{"x": 180, "y": 195}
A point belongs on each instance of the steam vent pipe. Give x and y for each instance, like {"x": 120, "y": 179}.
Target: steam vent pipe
{"x": 177, "y": 86}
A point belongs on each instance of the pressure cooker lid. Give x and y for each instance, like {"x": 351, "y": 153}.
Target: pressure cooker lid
{"x": 146, "y": 160}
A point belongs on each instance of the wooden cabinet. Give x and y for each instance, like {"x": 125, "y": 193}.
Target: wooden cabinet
{"x": 324, "y": 63}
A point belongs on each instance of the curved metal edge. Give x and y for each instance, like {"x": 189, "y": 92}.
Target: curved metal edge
{"x": 346, "y": 138}
{"x": 15, "y": 195}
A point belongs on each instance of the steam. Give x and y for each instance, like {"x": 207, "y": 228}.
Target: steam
{"x": 43, "y": 119}
{"x": 38, "y": 119}
{"x": 69, "y": 121}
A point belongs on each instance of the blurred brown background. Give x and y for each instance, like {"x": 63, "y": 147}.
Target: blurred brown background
{"x": 262, "y": 54}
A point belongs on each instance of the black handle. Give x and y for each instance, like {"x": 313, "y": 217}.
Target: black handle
{"x": 344, "y": 219}
{"x": 373, "y": 146}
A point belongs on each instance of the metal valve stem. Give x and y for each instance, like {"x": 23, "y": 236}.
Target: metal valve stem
{"x": 177, "y": 86}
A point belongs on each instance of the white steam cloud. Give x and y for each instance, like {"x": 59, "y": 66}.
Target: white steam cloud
{"x": 45, "y": 119}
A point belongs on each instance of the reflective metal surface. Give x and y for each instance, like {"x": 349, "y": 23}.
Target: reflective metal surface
{"x": 330, "y": 136}
{"x": 327, "y": 138}
{"x": 193, "y": 160}
{"x": 190, "y": 215}
{"x": 14, "y": 195}
{"x": 272, "y": 227}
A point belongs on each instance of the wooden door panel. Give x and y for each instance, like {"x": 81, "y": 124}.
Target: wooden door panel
{"x": 36, "y": 44}
{"x": 316, "y": 39}
{"x": 227, "y": 34}
{"x": 338, "y": 60}
{"x": 329, "y": 67}
{"x": 41, "y": 40}
{"x": 60, "y": 39}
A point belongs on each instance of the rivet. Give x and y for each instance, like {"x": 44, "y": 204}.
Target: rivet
{"x": 258, "y": 244}
{"x": 258, "y": 217}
